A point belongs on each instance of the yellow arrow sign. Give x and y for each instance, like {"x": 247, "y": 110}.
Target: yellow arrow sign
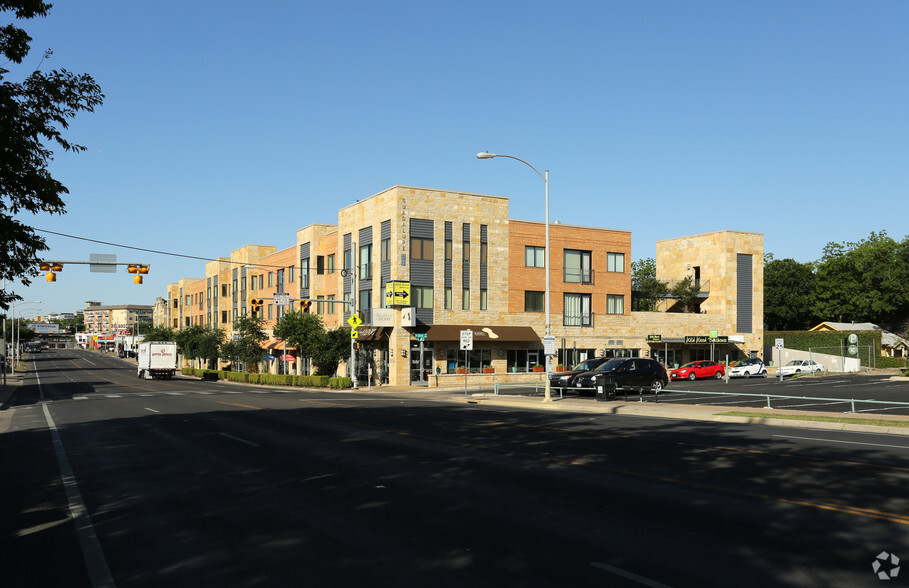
{"x": 354, "y": 334}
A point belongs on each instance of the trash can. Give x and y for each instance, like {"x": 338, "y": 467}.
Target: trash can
{"x": 605, "y": 385}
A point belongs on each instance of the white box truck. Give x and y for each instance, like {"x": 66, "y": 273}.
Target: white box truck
{"x": 157, "y": 359}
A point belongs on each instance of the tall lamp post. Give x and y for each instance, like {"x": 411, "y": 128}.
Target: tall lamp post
{"x": 548, "y": 339}
{"x": 13, "y": 329}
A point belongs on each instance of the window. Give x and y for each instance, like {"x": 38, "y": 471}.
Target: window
{"x": 448, "y": 298}
{"x": 304, "y": 273}
{"x": 320, "y": 305}
{"x": 483, "y": 299}
{"x": 320, "y": 264}
{"x": 280, "y": 281}
{"x": 331, "y": 305}
{"x": 484, "y": 251}
{"x": 421, "y": 249}
{"x": 534, "y": 301}
{"x": 534, "y": 256}
{"x": 271, "y": 279}
{"x": 448, "y": 250}
{"x": 366, "y": 262}
{"x": 348, "y": 261}
{"x": 577, "y": 267}
{"x": 615, "y": 304}
{"x": 422, "y": 296}
{"x": 466, "y": 249}
{"x": 364, "y": 304}
{"x": 577, "y": 310}
{"x": 386, "y": 250}
{"x": 330, "y": 263}
{"x": 615, "y": 262}
{"x": 223, "y": 316}
{"x": 465, "y": 299}
{"x": 271, "y": 310}
{"x": 290, "y": 273}
{"x": 225, "y": 290}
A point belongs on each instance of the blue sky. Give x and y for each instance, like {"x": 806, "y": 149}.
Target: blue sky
{"x": 227, "y": 123}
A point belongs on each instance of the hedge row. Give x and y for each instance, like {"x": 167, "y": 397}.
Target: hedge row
{"x": 834, "y": 343}
{"x": 271, "y": 379}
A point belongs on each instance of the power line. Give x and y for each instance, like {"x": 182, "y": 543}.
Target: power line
{"x": 155, "y": 251}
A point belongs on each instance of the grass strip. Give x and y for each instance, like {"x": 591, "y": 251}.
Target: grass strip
{"x": 823, "y": 419}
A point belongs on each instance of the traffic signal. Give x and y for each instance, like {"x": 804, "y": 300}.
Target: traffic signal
{"x": 50, "y": 268}
{"x": 304, "y": 305}
{"x": 139, "y": 270}
{"x": 255, "y": 304}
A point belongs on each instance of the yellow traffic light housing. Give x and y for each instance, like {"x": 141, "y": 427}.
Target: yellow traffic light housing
{"x": 51, "y": 277}
{"x": 45, "y": 267}
{"x": 57, "y": 267}
{"x": 304, "y": 305}
{"x": 137, "y": 279}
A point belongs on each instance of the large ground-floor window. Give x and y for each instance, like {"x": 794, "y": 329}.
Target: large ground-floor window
{"x": 475, "y": 360}
{"x": 523, "y": 360}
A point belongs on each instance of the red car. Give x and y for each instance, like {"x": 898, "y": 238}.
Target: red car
{"x": 698, "y": 369}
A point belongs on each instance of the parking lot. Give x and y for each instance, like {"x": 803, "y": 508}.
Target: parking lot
{"x": 872, "y": 394}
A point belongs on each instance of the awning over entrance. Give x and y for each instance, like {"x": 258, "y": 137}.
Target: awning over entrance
{"x": 372, "y": 333}
{"x": 482, "y": 333}
{"x": 274, "y": 344}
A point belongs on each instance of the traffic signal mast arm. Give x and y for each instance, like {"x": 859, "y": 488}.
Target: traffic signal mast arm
{"x": 139, "y": 269}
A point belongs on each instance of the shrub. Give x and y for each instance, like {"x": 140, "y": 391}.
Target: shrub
{"x": 339, "y": 383}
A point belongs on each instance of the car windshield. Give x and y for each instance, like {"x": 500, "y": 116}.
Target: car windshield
{"x": 690, "y": 364}
{"x": 794, "y": 362}
{"x": 610, "y": 365}
{"x": 585, "y": 366}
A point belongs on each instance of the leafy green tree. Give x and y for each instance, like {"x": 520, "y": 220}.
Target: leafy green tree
{"x": 34, "y": 112}
{"x": 302, "y": 330}
{"x": 333, "y": 349}
{"x": 160, "y": 333}
{"x": 645, "y": 284}
{"x": 200, "y": 342}
{"x": 789, "y": 288}
{"x": 685, "y": 293}
{"x": 864, "y": 281}
{"x": 246, "y": 348}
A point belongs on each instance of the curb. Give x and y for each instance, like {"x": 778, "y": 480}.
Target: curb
{"x": 686, "y": 413}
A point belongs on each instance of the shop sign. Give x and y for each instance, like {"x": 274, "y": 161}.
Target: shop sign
{"x": 703, "y": 339}
{"x": 654, "y": 338}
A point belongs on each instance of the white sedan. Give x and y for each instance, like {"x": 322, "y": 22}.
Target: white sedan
{"x": 797, "y": 366}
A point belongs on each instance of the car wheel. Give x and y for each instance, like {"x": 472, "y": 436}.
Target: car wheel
{"x": 691, "y": 376}
{"x": 718, "y": 375}
{"x": 764, "y": 374}
{"x": 656, "y": 386}
{"x": 746, "y": 374}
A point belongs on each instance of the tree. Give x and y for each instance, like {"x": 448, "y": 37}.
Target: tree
{"x": 685, "y": 293}
{"x": 864, "y": 281}
{"x": 334, "y": 348}
{"x": 160, "y": 333}
{"x": 301, "y": 330}
{"x": 246, "y": 347}
{"x": 645, "y": 284}
{"x": 200, "y": 342}
{"x": 33, "y": 113}
{"x": 789, "y": 288}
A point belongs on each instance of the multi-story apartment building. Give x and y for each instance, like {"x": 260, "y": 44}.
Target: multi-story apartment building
{"x": 420, "y": 266}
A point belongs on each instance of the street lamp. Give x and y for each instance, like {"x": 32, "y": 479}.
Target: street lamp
{"x": 547, "y": 339}
{"x": 13, "y": 307}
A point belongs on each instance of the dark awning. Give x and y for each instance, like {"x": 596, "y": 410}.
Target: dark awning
{"x": 372, "y": 333}
{"x": 482, "y": 333}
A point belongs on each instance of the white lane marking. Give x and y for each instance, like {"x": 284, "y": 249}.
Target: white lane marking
{"x": 240, "y": 440}
{"x": 628, "y": 575}
{"x": 840, "y": 441}
{"x": 113, "y": 396}
{"x": 95, "y": 562}
{"x": 151, "y": 409}
{"x": 205, "y": 392}
{"x": 175, "y": 393}
{"x": 80, "y": 397}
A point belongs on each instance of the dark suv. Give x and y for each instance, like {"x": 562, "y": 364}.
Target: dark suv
{"x": 630, "y": 373}
{"x": 566, "y": 379}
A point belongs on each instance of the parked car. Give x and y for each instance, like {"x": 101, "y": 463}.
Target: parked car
{"x": 746, "y": 368}
{"x": 698, "y": 369}
{"x": 631, "y": 373}
{"x": 566, "y": 379}
{"x": 797, "y": 366}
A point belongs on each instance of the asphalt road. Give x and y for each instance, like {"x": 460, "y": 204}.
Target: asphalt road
{"x": 190, "y": 483}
